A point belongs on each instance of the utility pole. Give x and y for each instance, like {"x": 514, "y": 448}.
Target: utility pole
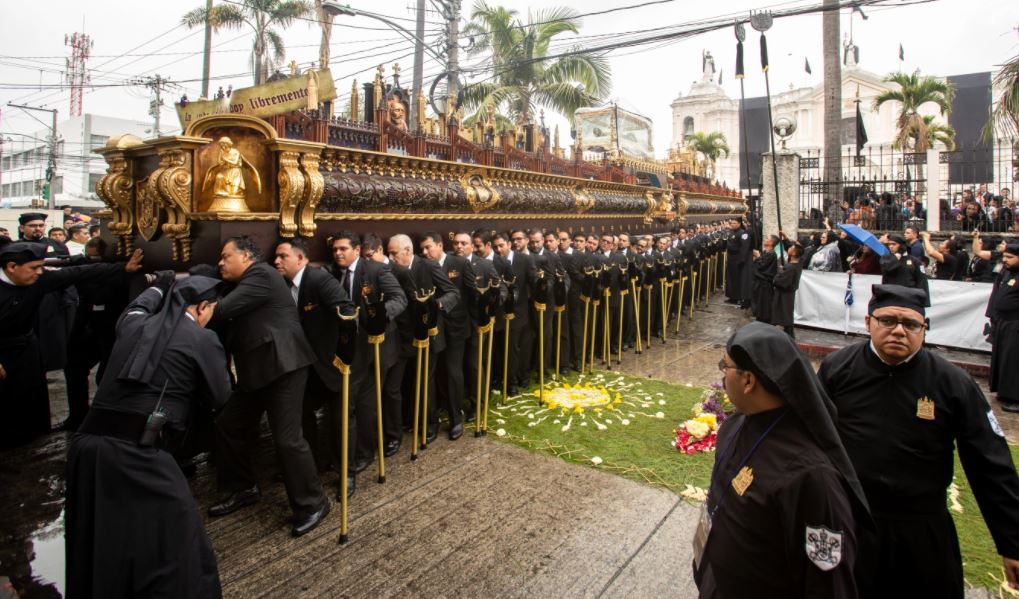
{"x": 51, "y": 168}
{"x": 155, "y": 106}
{"x": 419, "y": 65}
{"x": 77, "y": 76}
{"x": 207, "y": 59}
{"x": 453, "y": 41}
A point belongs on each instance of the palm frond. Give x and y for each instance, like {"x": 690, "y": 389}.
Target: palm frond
{"x": 593, "y": 72}
{"x": 277, "y": 49}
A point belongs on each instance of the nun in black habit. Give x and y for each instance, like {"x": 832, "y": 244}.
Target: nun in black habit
{"x": 132, "y": 526}
{"x": 784, "y": 505}
{"x": 765, "y": 267}
{"x": 1003, "y": 311}
{"x": 739, "y": 247}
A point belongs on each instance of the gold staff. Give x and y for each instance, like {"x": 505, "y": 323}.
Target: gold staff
{"x": 682, "y": 288}
{"x": 507, "y": 316}
{"x": 539, "y": 307}
{"x": 622, "y": 304}
{"x": 376, "y": 341}
{"x": 559, "y": 337}
{"x": 348, "y": 336}
{"x": 421, "y": 377}
{"x": 606, "y": 342}
{"x": 693, "y": 291}
{"x": 488, "y": 374}
{"x": 595, "y": 302}
{"x": 433, "y": 330}
{"x": 636, "y": 311}
{"x": 588, "y": 272}
{"x": 725, "y": 267}
{"x": 647, "y": 291}
{"x": 663, "y": 294}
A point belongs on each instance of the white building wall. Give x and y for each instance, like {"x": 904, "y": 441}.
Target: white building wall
{"x": 26, "y": 157}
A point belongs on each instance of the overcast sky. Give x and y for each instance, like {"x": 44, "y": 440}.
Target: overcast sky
{"x": 946, "y": 37}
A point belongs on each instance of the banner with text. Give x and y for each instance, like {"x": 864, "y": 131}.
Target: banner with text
{"x": 276, "y": 97}
{"x": 956, "y": 312}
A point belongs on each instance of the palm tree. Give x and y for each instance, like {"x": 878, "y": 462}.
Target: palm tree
{"x": 262, "y": 16}
{"x": 915, "y": 91}
{"x": 711, "y": 145}
{"x": 1005, "y": 117}
{"x": 523, "y": 78}
{"x": 937, "y": 132}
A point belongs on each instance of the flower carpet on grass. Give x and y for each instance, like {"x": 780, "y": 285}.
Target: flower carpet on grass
{"x": 632, "y": 427}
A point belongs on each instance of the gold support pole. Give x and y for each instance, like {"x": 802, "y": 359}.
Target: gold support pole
{"x": 606, "y": 353}
{"x": 540, "y": 309}
{"x": 344, "y": 408}
{"x": 478, "y": 414}
{"x": 679, "y": 312}
{"x": 594, "y": 332}
{"x": 663, "y": 294}
{"x": 583, "y": 344}
{"x": 636, "y": 312}
{"x": 725, "y": 267}
{"x": 488, "y": 374}
{"x": 619, "y": 339}
{"x": 558, "y": 338}
{"x": 505, "y": 355}
{"x": 424, "y": 408}
{"x": 693, "y": 293}
{"x": 417, "y": 399}
{"x": 647, "y": 291}
{"x": 376, "y": 340}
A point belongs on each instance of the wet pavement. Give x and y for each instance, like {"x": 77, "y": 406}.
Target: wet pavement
{"x": 473, "y": 517}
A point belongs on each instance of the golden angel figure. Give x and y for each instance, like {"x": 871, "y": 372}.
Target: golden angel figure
{"x": 227, "y": 179}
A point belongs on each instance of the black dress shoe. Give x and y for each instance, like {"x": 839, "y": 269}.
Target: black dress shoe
{"x": 470, "y": 416}
{"x": 456, "y": 432}
{"x": 432, "y": 434}
{"x": 351, "y": 487}
{"x": 1009, "y": 406}
{"x": 361, "y": 464}
{"x": 234, "y": 501}
{"x": 512, "y": 391}
{"x": 392, "y": 448}
{"x": 303, "y": 526}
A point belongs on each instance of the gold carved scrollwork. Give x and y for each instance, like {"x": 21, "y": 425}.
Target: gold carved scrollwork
{"x": 291, "y": 190}
{"x": 583, "y": 200}
{"x": 148, "y": 212}
{"x": 649, "y": 214}
{"x": 480, "y": 193}
{"x": 314, "y": 184}
{"x": 682, "y": 206}
{"x": 116, "y": 188}
{"x": 170, "y": 185}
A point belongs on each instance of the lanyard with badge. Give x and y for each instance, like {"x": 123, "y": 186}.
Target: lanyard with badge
{"x": 700, "y": 537}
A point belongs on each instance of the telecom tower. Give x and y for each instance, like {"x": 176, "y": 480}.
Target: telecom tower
{"x": 77, "y": 76}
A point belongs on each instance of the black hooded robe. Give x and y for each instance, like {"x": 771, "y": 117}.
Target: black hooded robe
{"x": 902, "y": 448}
{"x": 786, "y": 282}
{"x": 1003, "y": 310}
{"x": 765, "y": 267}
{"x": 792, "y": 532}
{"x": 904, "y": 270}
{"x": 132, "y": 527}
{"x": 739, "y": 247}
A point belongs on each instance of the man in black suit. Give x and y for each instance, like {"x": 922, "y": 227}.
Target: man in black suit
{"x": 419, "y": 277}
{"x": 482, "y": 261}
{"x": 271, "y": 357}
{"x": 367, "y": 282}
{"x": 518, "y": 271}
{"x": 549, "y": 264}
{"x": 613, "y": 266}
{"x": 319, "y": 300}
{"x": 575, "y": 260}
{"x": 456, "y": 325}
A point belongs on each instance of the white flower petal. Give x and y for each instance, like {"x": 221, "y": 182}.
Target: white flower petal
{"x": 500, "y": 433}
{"x": 596, "y": 460}
{"x": 659, "y": 414}
{"x": 626, "y": 422}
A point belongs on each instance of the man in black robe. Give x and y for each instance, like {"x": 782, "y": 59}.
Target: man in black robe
{"x": 784, "y": 505}
{"x": 786, "y": 281}
{"x": 56, "y": 310}
{"x": 1003, "y": 310}
{"x": 132, "y": 526}
{"x": 737, "y": 271}
{"x": 899, "y": 267}
{"x": 24, "y": 397}
{"x": 902, "y": 410}
{"x": 765, "y": 267}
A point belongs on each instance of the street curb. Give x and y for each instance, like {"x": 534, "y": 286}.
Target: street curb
{"x": 819, "y": 351}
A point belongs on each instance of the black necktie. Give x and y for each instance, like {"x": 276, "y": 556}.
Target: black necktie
{"x": 346, "y": 282}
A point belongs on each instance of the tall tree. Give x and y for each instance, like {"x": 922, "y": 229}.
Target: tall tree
{"x": 263, "y": 16}
{"x": 831, "y": 45}
{"x": 1005, "y": 117}
{"x": 711, "y": 145}
{"x": 524, "y": 79}
{"x": 914, "y": 91}
{"x": 938, "y": 132}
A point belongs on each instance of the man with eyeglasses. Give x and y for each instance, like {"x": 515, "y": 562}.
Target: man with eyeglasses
{"x": 901, "y": 411}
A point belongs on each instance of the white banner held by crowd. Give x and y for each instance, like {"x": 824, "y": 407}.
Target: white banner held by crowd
{"x": 956, "y": 312}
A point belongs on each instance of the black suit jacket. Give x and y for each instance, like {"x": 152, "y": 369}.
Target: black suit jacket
{"x": 460, "y": 272}
{"x": 318, "y": 299}
{"x": 521, "y": 274}
{"x": 371, "y": 279}
{"x": 423, "y": 276}
{"x": 262, "y": 330}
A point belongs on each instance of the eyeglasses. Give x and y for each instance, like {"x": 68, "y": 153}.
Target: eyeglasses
{"x": 723, "y": 366}
{"x": 910, "y": 326}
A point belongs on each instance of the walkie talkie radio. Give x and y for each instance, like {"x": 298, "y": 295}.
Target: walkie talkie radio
{"x": 155, "y": 422}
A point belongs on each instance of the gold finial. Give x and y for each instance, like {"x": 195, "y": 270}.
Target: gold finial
{"x": 396, "y": 69}
{"x": 293, "y": 68}
{"x": 380, "y": 71}
{"x": 355, "y": 101}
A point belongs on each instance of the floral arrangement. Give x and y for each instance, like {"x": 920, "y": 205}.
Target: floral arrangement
{"x": 701, "y": 432}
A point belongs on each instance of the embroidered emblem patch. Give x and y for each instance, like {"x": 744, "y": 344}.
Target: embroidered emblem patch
{"x": 994, "y": 423}
{"x": 925, "y": 408}
{"x": 744, "y": 236}
{"x": 741, "y": 482}
{"x": 453, "y": 274}
{"x": 824, "y": 547}
{"x": 1011, "y": 283}
{"x": 909, "y": 263}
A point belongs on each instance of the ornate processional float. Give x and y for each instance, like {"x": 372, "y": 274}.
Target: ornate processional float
{"x": 248, "y": 169}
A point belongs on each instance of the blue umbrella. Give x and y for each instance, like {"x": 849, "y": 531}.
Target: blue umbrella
{"x": 861, "y": 235}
